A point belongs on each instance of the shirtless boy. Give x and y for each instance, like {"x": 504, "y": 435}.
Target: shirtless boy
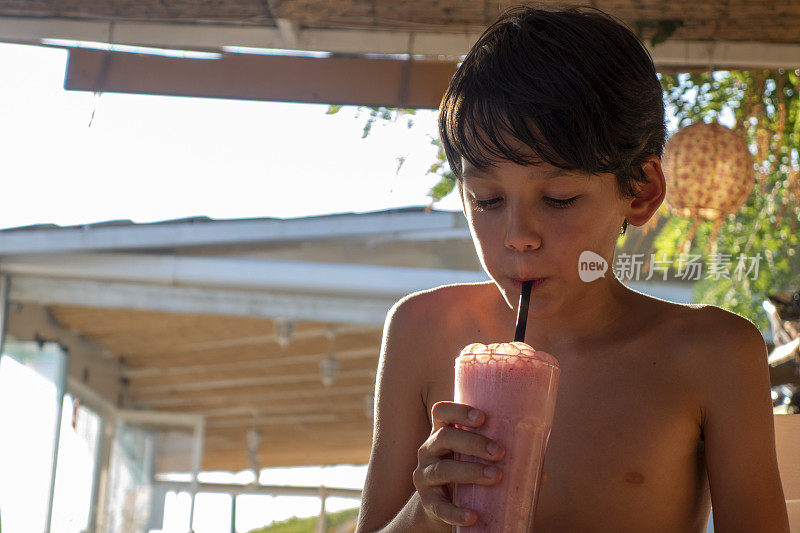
{"x": 554, "y": 127}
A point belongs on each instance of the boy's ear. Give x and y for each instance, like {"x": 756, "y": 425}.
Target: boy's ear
{"x": 650, "y": 195}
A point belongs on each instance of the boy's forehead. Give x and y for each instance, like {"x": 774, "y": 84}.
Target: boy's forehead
{"x": 543, "y": 169}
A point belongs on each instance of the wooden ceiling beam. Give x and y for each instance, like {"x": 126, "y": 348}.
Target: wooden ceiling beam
{"x": 332, "y": 80}
{"x": 296, "y": 348}
{"x": 235, "y": 342}
{"x": 330, "y": 416}
{"x": 352, "y": 403}
{"x": 350, "y": 80}
{"x": 362, "y": 359}
{"x": 366, "y": 368}
{"x": 198, "y": 400}
{"x": 306, "y": 444}
{"x": 174, "y": 335}
{"x": 298, "y": 432}
{"x": 176, "y": 339}
{"x": 103, "y": 322}
{"x": 235, "y": 459}
{"x": 249, "y": 358}
{"x": 297, "y": 379}
{"x": 272, "y": 361}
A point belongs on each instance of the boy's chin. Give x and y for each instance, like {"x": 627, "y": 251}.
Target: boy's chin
{"x": 510, "y": 295}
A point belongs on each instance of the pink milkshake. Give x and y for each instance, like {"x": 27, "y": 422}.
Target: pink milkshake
{"x": 515, "y": 386}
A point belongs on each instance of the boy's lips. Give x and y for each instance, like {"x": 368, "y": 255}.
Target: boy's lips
{"x": 536, "y": 281}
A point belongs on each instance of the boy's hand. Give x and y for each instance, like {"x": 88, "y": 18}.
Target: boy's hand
{"x": 436, "y": 468}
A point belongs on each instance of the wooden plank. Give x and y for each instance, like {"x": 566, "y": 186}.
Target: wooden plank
{"x": 309, "y": 378}
{"x": 334, "y": 80}
{"x": 164, "y": 357}
{"x": 253, "y": 395}
{"x": 309, "y": 434}
{"x": 352, "y": 403}
{"x": 235, "y": 459}
{"x": 208, "y": 382}
{"x": 366, "y": 360}
{"x": 284, "y": 421}
{"x": 231, "y": 362}
{"x": 294, "y": 444}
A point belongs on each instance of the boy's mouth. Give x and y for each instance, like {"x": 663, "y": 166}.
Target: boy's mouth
{"x": 536, "y": 282}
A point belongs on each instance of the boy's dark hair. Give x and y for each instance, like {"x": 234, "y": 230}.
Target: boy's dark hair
{"x": 575, "y": 85}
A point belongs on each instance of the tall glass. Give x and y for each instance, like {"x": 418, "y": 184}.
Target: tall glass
{"x": 515, "y": 386}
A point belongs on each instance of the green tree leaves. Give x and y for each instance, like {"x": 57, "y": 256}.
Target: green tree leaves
{"x": 765, "y": 107}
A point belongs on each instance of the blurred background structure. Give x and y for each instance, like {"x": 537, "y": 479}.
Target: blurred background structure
{"x": 198, "y": 344}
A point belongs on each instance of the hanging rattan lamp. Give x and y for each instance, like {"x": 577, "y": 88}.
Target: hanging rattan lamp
{"x": 709, "y": 173}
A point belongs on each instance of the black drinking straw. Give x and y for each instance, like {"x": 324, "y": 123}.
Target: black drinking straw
{"x": 522, "y": 311}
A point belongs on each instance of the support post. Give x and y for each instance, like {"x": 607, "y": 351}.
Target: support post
{"x": 5, "y": 282}
{"x": 197, "y": 459}
{"x": 109, "y": 428}
{"x": 233, "y": 513}
{"x": 322, "y": 520}
{"x": 61, "y": 387}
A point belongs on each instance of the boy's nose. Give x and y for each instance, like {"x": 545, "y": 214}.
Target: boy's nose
{"x": 521, "y": 236}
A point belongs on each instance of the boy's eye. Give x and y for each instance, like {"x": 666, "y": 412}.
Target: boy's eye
{"x": 483, "y": 205}
{"x": 560, "y": 204}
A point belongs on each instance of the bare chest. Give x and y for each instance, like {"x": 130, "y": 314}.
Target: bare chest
{"x": 624, "y": 453}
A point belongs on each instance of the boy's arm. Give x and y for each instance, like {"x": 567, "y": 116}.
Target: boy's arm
{"x": 746, "y": 491}
{"x": 389, "y": 500}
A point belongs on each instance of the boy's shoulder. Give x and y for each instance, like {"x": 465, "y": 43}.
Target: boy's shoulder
{"x": 433, "y": 315}
{"x": 444, "y": 301}
{"x": 704, "y": 329}
{"x": 712, "y": 322}
{"x": 725, "y": 336}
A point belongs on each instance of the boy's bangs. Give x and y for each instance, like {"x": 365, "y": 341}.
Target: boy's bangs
{"x": 484, "y": 132}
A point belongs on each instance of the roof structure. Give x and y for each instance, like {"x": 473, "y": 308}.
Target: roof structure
{"x": 359, "y": 52}
{"x": 211, "y": 317}
{"x": 725, "y": 20}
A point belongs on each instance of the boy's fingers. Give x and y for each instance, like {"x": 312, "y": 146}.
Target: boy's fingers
{"x": 449, "y": 413}
{"x": 445, "y": 511}
{"x": 449, "y": 471}
{"x": 449, "y": 439}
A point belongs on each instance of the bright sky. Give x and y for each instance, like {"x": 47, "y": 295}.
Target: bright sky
{"x": 148, "y": 158}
